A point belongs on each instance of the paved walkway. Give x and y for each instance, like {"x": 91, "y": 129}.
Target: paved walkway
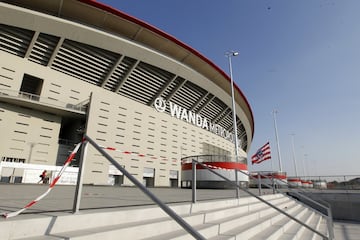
{"x": 346, "y": 230}
{"x": 15, "y": 196}
{"x": 60, "y": 200}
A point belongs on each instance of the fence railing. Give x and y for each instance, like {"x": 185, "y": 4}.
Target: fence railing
{"x": 194, "y": 162}
{"x": 335, "y": 182}
{"x": 214, "y": 158}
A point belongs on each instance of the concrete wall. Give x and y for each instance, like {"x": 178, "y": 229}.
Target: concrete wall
{"x": 345, "y": 204}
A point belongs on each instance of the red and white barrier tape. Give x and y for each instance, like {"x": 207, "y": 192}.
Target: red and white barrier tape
{"x": 52, "y": 184}
{"x": 215, "y": 167}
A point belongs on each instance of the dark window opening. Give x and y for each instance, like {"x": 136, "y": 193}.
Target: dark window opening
{"x": 31, "y": 84}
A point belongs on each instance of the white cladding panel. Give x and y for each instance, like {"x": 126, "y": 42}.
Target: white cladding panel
{"x": 31, "y": 131}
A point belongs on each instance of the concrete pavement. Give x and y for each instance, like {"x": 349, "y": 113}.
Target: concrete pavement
{"x": 15, "y": 196}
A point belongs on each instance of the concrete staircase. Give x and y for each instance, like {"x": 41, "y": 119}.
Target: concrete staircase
{"x": 244, "y": 218}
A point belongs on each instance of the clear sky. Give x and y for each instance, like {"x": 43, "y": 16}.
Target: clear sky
{"x": 301, "y": 58}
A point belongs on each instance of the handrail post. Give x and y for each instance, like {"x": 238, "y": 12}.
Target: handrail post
{"x": 80, "y": 177}
{"x": 330, "y": 224}
{"x": 237, "y": 184}
{"x": 193, "y": 184}
{"x": 259, "y": 184}
{"x": 273, "y": 183}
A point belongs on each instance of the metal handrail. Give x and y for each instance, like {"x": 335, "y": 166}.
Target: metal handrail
{"x": 300, "y": 192}
{"x": 328, "y": 217}
{"x": 252, "y": 194}
{"x": 137, "y": 183}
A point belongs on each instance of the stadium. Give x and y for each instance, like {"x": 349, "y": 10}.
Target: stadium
{"x": 71, "y": 67}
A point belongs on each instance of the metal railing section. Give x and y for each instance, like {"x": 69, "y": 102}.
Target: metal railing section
{"x": 137, "y": 183}
{"x": 330, "y": 237}
{"x": 214, "y": 158}
{"x": 81, "y": 107}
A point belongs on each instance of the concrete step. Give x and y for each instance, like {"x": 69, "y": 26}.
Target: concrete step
{"x": 277, "y": 229}
{"x": 252, "y": 226}
{"x": 296, "y": 231}
{"x": 215, "y": 215}
{"x": 323, "y": 229}
{"x": 216, "y": 220}
{"x": 314, "y": 222}
{"x": 163, "y": 225}
{"x": 166, "y": 227}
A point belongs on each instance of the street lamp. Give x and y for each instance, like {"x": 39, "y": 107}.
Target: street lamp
{"x": 294, "y": 156}
{"x": 274, "y": 112}
{"x": 230, "y": 54}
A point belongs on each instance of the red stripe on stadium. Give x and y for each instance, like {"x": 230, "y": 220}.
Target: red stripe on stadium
{"x": 222, "y": 165}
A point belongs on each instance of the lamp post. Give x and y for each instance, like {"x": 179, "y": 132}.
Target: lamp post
{"x": 274, "y": 112}
{"x": 294, "y": 156}
{"x": 229, "y": 55}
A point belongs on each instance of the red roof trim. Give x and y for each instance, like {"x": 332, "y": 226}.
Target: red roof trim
{"x": 121, "y": 14}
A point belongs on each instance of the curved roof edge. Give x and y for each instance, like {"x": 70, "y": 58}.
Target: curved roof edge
{"x": 130, "y": 18}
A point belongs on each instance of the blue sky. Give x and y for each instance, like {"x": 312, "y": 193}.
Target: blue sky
{"x": 301, "y": 58}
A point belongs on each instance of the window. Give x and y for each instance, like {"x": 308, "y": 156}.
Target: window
{"x": 31, "y": 84}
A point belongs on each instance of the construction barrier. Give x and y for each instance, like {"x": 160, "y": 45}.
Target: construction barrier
{"x": 67, "y": 163}
{"x": 51, "y": 186}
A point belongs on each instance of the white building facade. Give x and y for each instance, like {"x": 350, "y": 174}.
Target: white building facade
{"x": 73, "y": 67}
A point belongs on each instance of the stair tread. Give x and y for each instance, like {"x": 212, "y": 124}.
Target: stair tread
{"x": 181, "y": 233}
{"x": 244, "y": 214}
{"x": 300, "y": 232}
{"x": 229, "y": 224}
{"x": 250, "y": 227}
{"x": 217, "y": 220}
{"x": 244, "y": 205}
{"x": 303, "y": 233}
{"x": 46, "y": 237}
{"x": 278, "y": 225}
{"x": 115, "y": 227}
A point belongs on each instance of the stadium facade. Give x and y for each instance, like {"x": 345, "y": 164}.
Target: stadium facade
{"x": 71, "y": 67}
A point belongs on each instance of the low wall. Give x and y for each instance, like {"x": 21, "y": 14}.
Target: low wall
{"x": 345, "y": 204}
